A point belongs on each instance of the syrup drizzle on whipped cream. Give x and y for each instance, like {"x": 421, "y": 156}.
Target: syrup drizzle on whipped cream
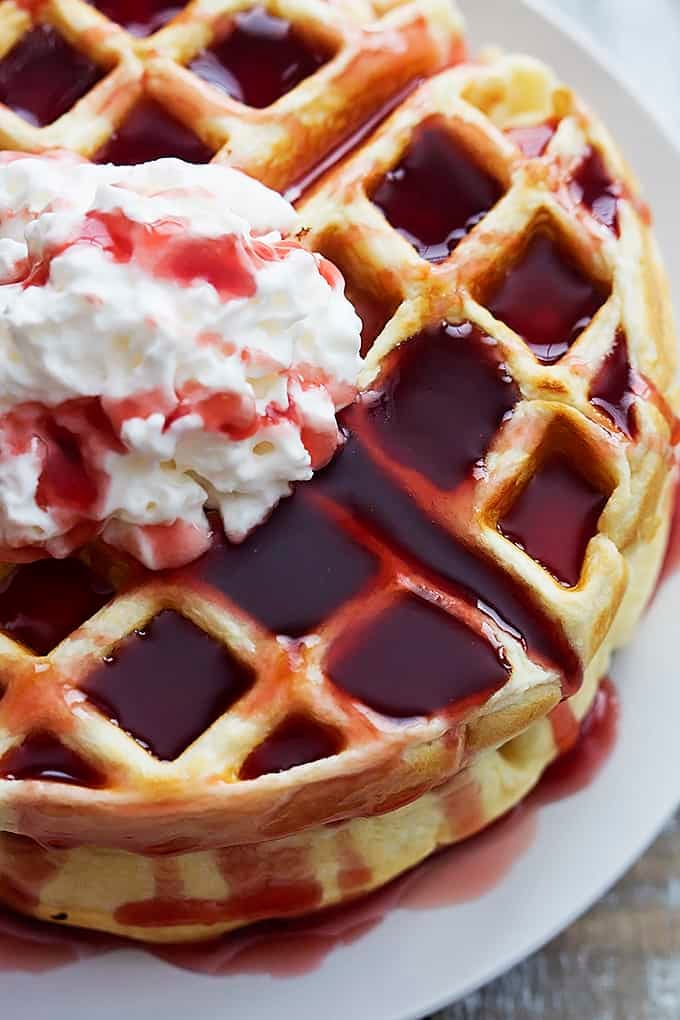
{"x": 165, "y": 345}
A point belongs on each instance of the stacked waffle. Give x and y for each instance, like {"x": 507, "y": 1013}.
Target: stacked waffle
{"x": 390, "y": 661}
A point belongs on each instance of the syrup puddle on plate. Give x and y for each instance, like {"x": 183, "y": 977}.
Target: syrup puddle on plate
{"x": 288, "y": 948}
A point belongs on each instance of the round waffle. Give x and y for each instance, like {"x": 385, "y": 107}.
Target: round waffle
{"x": 381, "y": 668}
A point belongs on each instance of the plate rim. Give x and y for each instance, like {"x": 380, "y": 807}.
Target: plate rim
{"x": 570, "y": 27}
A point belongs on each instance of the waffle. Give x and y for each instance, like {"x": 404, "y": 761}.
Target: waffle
{"x": 501, "y": 503}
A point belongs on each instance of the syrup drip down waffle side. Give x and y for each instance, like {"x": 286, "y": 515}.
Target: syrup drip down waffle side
{"x": 315, "y": 702}
{"x": 196, "y": 895}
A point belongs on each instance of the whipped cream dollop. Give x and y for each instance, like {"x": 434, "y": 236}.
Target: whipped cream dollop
{"x": 166, "y": 346}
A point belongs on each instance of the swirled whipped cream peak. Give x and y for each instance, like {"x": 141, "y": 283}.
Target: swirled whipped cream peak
{"x": 166, "y": 346}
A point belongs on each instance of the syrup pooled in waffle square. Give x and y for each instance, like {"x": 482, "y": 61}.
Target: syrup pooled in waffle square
{"x": 272, "y": 89}
{"x": 489, "y": 532}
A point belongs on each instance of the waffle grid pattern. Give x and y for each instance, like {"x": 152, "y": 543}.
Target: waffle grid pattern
{"x": 376, "y": 51}
{"x": 479, "y": 107}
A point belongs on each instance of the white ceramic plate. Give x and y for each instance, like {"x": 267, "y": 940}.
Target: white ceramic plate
{"x": 415, "y": 961}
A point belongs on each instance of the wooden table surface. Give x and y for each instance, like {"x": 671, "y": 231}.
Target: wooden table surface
{"x": 621, "y": 961}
